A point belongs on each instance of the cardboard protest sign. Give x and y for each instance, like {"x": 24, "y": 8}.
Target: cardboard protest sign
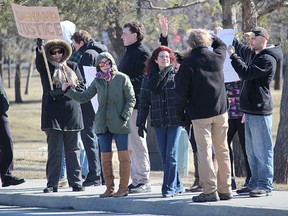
{"x": 37, "y": 22}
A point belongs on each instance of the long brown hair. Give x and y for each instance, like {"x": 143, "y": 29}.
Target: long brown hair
{"x": 150, "y": 63}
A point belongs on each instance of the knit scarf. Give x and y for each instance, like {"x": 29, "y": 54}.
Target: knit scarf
{"x": 158, "y": 79}
{"x": 105, "y": 75}
{"x": 62, "y": 74}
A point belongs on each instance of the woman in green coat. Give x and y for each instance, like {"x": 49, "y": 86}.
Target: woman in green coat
{"x": 116, "y": 100}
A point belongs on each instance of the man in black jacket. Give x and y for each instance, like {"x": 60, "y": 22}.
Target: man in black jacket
{"x": 132, "y": 64}
{"x": 88, "y": 49}
{"x": 201, "y": 95}
{"x": 256, "y": 68}
{"x": 6, "y": 144}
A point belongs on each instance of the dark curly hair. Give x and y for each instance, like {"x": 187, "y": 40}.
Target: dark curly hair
{"x": 136, "y": 27}
{"x": 81, "y": 35}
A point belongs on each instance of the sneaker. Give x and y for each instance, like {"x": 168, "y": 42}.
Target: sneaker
{"x": 211, "y": 197}
{"x": 8, "y": 181}
{"x": 50, "y": 189}
{"x": 63, "y": 183}
{"x": 259, "y": 193}
{"x": 233, "y": 184}
{"x": 141, "y": 188}
{"x": 131, "y": 186}
{"x": 225, "y": 196}
{"x": 243, "y": 191}
{"x": 88, "y": 183}
{"x": 78, "y": 188}
{"x": 194, "y": 188}
{"x": 168, "y": 195}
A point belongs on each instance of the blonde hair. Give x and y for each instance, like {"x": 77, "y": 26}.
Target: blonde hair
{"x": 199, "y": 37}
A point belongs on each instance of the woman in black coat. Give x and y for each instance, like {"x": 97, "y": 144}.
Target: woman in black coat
{"x": 61, "y": 117}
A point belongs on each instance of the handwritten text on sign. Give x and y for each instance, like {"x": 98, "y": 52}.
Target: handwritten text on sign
{"x": 37, "y": 22}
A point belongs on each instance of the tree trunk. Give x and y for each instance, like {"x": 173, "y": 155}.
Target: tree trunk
{"x": 18, "y": 98}
{"x": 9, "y": 71}
{"x": 29, "y": 78}
{"x": 249, "y": 16}
{"x": 281, "y": 146}
{"x": 1, "y": 57}
{"x": 278, "y": 76}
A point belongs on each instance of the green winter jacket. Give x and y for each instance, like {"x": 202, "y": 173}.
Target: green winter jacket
{"x": 116, "y": 100}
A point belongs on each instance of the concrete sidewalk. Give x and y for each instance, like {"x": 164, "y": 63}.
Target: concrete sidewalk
{"x": 30, "y": 194}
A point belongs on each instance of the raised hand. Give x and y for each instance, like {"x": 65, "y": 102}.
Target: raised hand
{"x": 163, "y": 26}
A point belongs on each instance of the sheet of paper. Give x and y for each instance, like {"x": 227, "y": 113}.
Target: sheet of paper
{"x": 90, "y": 73}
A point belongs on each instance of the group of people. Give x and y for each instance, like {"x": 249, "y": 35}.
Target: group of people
{"x": 177, "y": 89}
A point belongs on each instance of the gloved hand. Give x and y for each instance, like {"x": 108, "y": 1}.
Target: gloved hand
{"x": 141, "y": 129}
{"x": 179, "y": 57}
{"x": 39, "y": 43}
{"x": 56, "y": 92}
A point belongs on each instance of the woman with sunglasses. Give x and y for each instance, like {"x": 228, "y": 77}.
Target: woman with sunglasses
{"x": 116, "y": 100}
{"x": 61, "y": 118}
{"x": 157, "y": 95}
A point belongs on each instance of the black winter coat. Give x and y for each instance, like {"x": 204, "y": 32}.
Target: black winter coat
{"x": 256, "y": 73}
{"x": 200, "y": 85}
{"x": 133, "y": 64}
{"x": 61, "y": 112}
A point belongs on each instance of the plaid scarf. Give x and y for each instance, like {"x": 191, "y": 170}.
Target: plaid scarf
{"x": 63, "y": 73}
{"x": 105, "y": 75}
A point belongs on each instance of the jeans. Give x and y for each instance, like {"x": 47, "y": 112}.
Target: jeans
{"x": 167, "y": 141}
{"x": 105, "y": 142}
{"x": 259, "y": 149}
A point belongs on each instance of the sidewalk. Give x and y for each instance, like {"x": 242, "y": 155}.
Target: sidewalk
{"x": 30, "y": 194}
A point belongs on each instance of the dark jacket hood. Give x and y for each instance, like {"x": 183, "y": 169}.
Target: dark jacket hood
{"x": 274, "y": 50}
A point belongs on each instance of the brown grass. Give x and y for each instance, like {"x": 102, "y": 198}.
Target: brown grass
{"x": 30, "y": 142}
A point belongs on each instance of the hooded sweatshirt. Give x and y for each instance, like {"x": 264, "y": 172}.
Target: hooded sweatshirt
{"x": 256, "y": 72}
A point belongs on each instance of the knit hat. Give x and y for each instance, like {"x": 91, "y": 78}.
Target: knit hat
{"x": 58, "y": 43}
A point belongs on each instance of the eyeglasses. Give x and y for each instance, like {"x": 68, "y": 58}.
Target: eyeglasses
{"x": 105, "y": 63}
{"x": 56, "y": 51}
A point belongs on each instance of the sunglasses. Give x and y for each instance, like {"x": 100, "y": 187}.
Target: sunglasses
{"x": 106, "y": 63}
{"x": 56, "y": 51}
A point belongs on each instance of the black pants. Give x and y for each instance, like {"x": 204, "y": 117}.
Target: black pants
{"x": 190, "y": 133}
{"x": 90, "y": 142}
{"x": 6, "y": 149}
{"x": 234, "y": 126}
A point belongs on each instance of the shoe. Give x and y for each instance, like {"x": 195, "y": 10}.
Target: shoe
{"x": 225, "y": 196}
{"x": 63, "y": 183}
{"x": 78, "y": 188}
{"x": 233, "y": 184}
{"x": 131, "y": 186}
{"x": 259, "y": 193}
{"x": 168, "y": 195}
{"x": 141, "y": 188}
{"x": 50, "y": 189}
{"x": 211, "y": 197}
{"x": 12, "y": 181}
{"x": 194, "y": 188}
{"x": 88, "y": 183}
{"x": 243, "y": 191}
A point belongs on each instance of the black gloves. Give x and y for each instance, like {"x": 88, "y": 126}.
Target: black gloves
{"x": 56, "y": 92}
{"x": 39, "y": 43}
{"x": 141, "y": 129}
{"x": 179, "y": 57}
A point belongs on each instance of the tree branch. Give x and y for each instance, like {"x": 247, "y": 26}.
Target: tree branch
{"x": 272, "y": 8}
{"x": 152, "y": 7}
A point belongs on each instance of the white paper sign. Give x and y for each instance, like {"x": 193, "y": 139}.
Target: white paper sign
{"x": 90, "y": 74}
{"x": 227, "y": 35}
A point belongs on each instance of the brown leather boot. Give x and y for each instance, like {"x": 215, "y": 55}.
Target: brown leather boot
{"x": 124, "y": 168}
{"x": 107, "y": 168}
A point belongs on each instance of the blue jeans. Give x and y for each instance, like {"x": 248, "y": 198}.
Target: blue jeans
{"x": 167, "y": 141}
{"x": 105, "y": 142}
{"x": 259, "y": 149}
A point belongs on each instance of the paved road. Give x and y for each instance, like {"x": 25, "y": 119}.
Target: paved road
{"x": 30, "y": 194}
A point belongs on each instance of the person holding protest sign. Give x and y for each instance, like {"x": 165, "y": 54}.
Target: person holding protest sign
{"x": 61, "y": 117}
{"x": 6, "y": 144}
{"x": 116, "y": 100}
